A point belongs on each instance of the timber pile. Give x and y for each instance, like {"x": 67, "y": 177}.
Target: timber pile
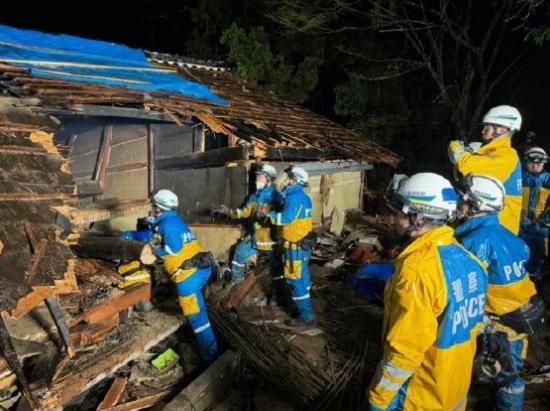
{"x": 35, "y": 262}
{"x": 253, "y": 115}
{"x": 322, "y": 368}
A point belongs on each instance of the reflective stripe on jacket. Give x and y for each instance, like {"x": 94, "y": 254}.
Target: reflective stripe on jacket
{"x": 505, "y": 256}
{"x": 295, "y": 218}
{"x": 499, "y": 160}
{"x": 264, "y": 200}
{"x": 536, "y": 190}
{"x": 178, "y": 241}
{"x": 433, "y": 309}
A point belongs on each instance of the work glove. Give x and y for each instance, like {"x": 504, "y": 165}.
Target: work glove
{"x": 223, "y": 210}
{"x": 456, "y": 150}
{"x": 473, "y": 146}
{"x": 147, "y": 256}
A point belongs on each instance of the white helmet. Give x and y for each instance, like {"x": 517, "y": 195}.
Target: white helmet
{"x": 484, "y": 192}
{"x": 536, "y": 155}
{"x": 165, "y": 200}
{"x": 298, "y": 174}
{"x": 505, "y": 116}
{"x": 429, "y": 195}
{"x": 268, "y": 170}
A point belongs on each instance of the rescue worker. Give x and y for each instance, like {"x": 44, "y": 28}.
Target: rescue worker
{"x": 188, "y": 266}
{"x": 536, "y": 193}
{"x": 433, "y": 307}
{"x": 261, "y": 240}
{"x": 296, "y": 230}
{"x": 496, "y": 158}
{"x": 510, "y": 288}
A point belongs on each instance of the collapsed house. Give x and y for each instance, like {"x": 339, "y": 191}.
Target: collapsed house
{"x": 85, "y": 138}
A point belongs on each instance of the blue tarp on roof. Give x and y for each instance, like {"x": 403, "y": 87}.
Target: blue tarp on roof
{"x": 73, "y": 58}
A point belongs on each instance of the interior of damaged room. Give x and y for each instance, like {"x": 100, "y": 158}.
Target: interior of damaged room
{"x": 274, "y": 205}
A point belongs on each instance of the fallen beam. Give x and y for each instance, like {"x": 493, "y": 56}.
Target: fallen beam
{"x": 112, "y": 306}
{"x": 210, "y": 387}
{"x": 107, "y": 248}
{"x": 218, "y": 157}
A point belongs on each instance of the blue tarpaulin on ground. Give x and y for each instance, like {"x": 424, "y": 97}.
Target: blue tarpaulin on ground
{"x": 369, "y": 280}
{"x": 73, "y": 58}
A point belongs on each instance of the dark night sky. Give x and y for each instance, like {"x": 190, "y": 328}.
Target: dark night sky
{"x": 161, "y": 25}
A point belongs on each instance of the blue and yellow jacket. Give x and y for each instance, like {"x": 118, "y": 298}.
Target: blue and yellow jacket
{"x": 178, "y": 244}
{"x": 433, "y": 310}
{"x": 536, "y": 190}
{"x": 295, "y": 218}
{"x": 261, "y": 201}
{"x": 499, "y": 160}
{"x": 505, "y": 256}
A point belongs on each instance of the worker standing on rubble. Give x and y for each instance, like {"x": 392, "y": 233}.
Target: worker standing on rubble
{"x": 511, "y": 309}
{"x": 496, "y": 158}
{"x": 261, "y": 240}
{"x": 188, "y": 266}
{"x": 296, "y": 226}
{"x": 536, "y": 193}
{"x": 433, "y": 307}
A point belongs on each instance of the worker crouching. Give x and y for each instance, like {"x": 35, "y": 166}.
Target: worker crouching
{"x": 433, "y": 306}
{"x": 188, "y": 266}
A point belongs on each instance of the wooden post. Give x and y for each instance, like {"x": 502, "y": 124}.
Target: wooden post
{"x": 151, "y": 157}
{"x": 55, "y": 310}
{"x": 103, "y": 159}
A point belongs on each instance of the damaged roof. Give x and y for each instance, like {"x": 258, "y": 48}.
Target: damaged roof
{"x": 250, "y": 114}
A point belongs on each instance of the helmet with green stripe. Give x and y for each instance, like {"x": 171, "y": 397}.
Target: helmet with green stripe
{"x": 485, "y": 193}
{"x": 505, "y": 116}
{"x": 428, "y": 195}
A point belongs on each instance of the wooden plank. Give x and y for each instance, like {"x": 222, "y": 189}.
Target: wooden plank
{"x": 141, "y": 403}
{"x": 151, "y": 157}
{"x": 205, "y": 159}
{"x": 23, "y": 150}
{"x": 39, "y": 252}
{"x": 114, "y": 305}
{"x": 103, "y": 159}
{"x": 209, "y": 387}
{"x": 55, "y": 310}
{"x": 33, "y": 197}
{"x": 113, "y": 395}
{"x": 241, "y": 291}
{"x": 291, "y": 153}
{"x": 91, "y": 368}
{"x": 88, "y": 334}
{"x": 40, "y": 293}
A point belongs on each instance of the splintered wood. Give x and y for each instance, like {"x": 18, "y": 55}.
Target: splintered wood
{"x": 34, "y": 263}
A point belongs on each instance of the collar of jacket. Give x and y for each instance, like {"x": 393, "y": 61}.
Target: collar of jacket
{"x": 499, "y": 142}
{"x": 476, "y": 222}
{"x": 164, "y": 215}
{"x": 443, "y": 235}
{"x": 292, "y": 189}
{"x": 534, "y": 177}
